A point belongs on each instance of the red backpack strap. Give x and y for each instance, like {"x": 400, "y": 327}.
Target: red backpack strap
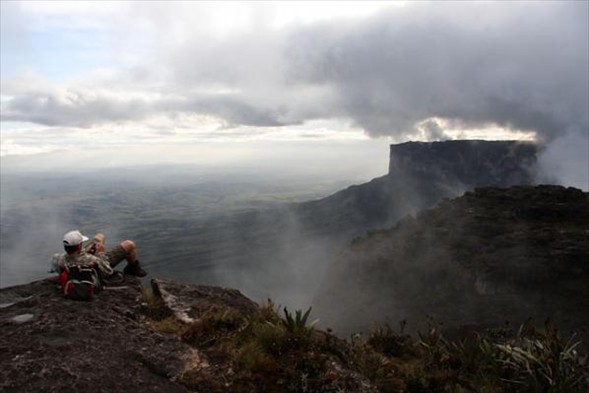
{"x": 63, "y": 276}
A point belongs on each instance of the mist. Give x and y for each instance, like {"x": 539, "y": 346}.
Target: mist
{"x": 492, "y": 257}
{"x": 565, "y": 161}
{"x": 184, "y": 214}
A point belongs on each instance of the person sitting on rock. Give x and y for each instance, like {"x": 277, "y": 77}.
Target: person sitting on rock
{"x": 94, "y": 254}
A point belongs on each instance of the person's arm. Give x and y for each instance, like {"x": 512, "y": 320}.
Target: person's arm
{"x": 100, "y": 239}
{"x": 102, "y": 265}
{"x": 96, "y": 245}
{"x": 56, "y": 263}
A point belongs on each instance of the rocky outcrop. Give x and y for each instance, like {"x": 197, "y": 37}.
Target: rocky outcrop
{"x": 172, "y": 338}
{"x": 492, "y": 255}
{"x": 50, "y": 344}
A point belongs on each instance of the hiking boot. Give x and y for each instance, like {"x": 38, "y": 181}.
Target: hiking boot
{"x": 134, "y": 270}
{"x": 116, "y": 278}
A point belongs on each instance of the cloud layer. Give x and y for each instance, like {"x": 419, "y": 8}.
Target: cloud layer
{"x": 523, "y": 66}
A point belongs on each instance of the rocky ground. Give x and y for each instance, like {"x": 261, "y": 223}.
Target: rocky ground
{"x": 51, "y": 344}
{"x": 186, "y": 338}
{"x": 171, "y": 338}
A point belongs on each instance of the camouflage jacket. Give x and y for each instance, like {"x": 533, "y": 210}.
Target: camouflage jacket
{"x": 99, "y": 261}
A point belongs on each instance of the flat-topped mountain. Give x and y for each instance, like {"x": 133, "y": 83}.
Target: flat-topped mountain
{"x": 470, "y": 162}
{"x": 492, "y": 255}
{"x": 420, "y": 175}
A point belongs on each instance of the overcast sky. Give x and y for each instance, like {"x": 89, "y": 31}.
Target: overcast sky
{"x": 102, "y": 76}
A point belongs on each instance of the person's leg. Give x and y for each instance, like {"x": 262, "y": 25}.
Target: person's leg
{"x": 115, "y": 255}
{"x": 126, "y": 250}
{"x": 131, "y": 251}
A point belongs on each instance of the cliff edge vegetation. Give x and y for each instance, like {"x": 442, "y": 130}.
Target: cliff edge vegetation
{"x": 188, "y": 338}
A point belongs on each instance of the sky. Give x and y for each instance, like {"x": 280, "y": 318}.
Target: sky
{"x": 221, "y": 83}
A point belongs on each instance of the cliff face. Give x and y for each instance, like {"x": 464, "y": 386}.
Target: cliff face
{"x": 492, "y": 255}
{"x": 420, "y": 175}
{"x": 470, "y": 162}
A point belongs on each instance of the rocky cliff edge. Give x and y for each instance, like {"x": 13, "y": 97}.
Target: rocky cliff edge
{"x": 169, "y": 338}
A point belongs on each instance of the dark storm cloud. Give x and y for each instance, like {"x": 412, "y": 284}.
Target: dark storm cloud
{"x": 518, "y": 65}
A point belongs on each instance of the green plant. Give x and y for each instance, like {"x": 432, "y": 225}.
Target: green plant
{"x": 280, "y": 353}
{"x": 298, "y": 324}
{"x": 170, "y": 325}
{"x": 216, "y": 323}
{"x": 254, "y": 358}
{"x": 434, "y": 345}
{"x": 154, "y": 306}
{"x": 385, "y": 341}
{"x": 273, "y": 338}
{"x": 544, "y": 362}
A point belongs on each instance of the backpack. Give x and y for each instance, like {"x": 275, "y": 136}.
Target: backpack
{"x": 79, "y": 282}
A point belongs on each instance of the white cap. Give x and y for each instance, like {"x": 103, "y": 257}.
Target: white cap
{"x": 73, "y": 238}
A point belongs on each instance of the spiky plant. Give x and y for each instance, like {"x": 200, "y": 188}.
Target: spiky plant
{"x": 384, "y": 340}
{"x": 544, "y": 362}
{"x": 298, "y": 324}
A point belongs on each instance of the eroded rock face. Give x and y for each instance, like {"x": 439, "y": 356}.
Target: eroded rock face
{"x": 492, "y": 255}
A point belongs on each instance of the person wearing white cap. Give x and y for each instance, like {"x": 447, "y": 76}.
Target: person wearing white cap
{"x": 94, "y": 254}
